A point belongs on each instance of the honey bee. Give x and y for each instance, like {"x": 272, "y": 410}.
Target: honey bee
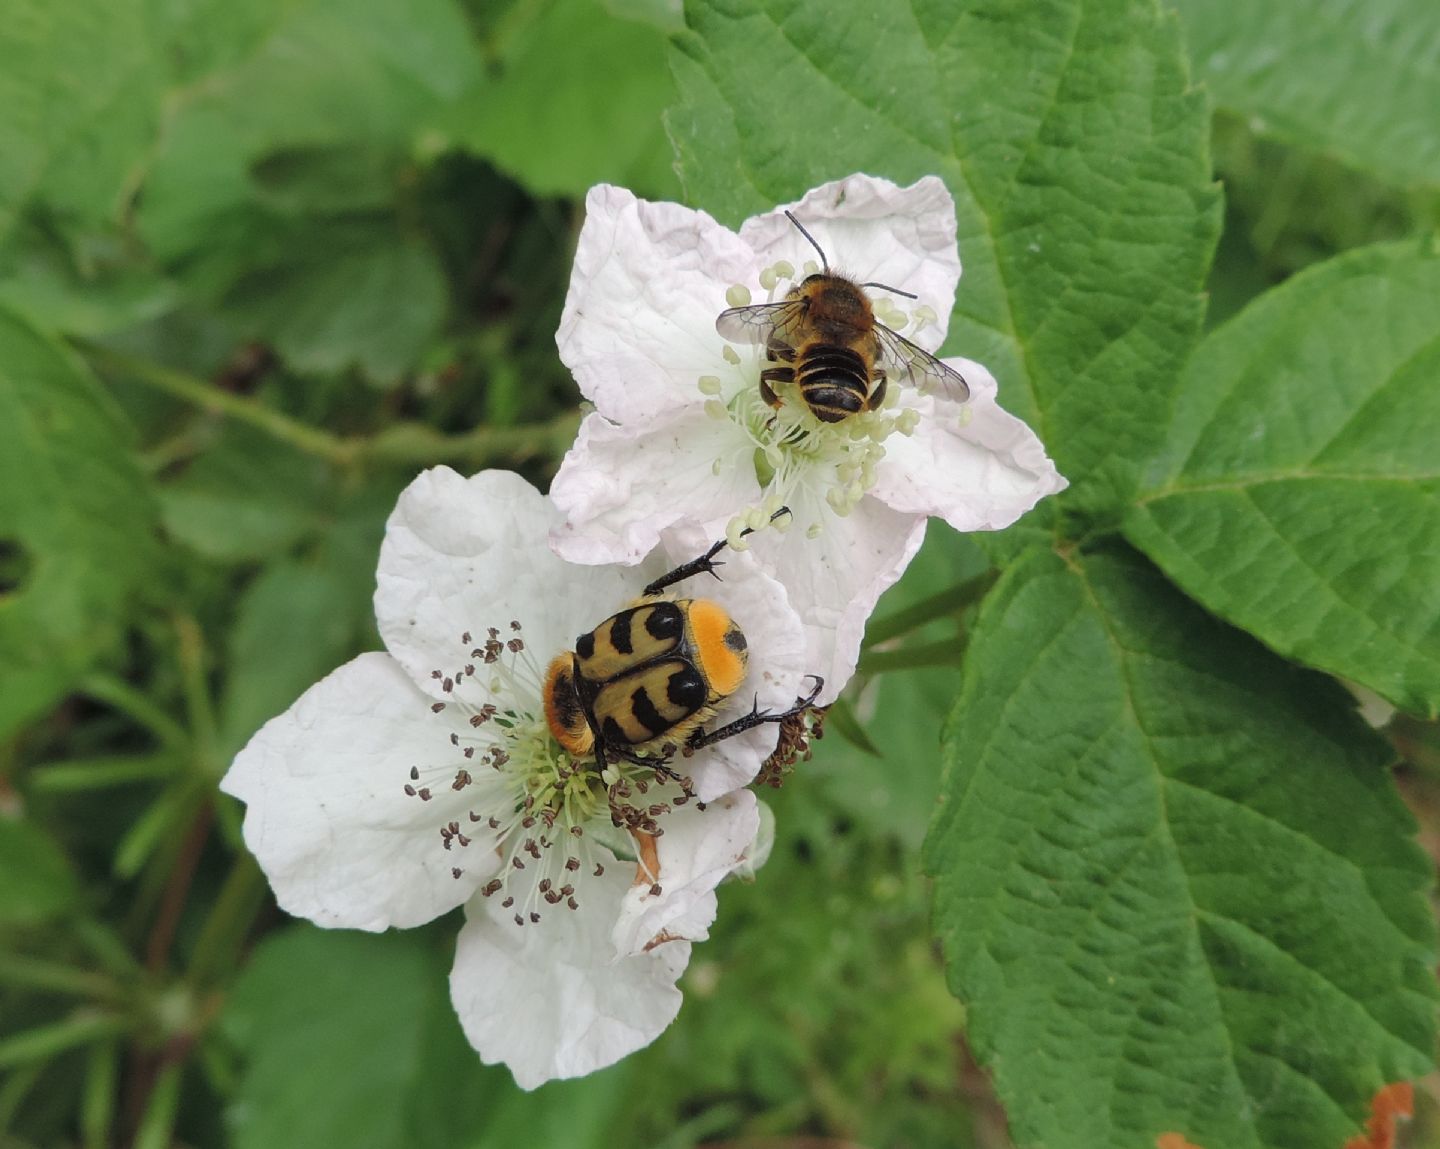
{"x": 826, "y": 336}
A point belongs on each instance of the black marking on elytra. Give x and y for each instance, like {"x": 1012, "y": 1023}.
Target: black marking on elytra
{"x": 645, "y": 712}
{"x": 735, "y": 640}
{"x": 620, "y": 632}
{"x": 686, "y": 689}
{"x": 585, "y": 645}
{"x": 665, "y": 621}
{"x": 610, "y": 731}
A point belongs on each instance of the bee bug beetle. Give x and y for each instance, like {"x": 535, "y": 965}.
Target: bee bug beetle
{"x": 643, "y": 682}
{"x": 832, "y": 348}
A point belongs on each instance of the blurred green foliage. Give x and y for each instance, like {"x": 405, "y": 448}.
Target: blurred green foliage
{"x": 260, "y": 261}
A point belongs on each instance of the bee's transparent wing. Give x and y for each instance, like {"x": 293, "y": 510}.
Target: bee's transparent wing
{"x": 920, "y": 367}
{"x": 761, "y": 323}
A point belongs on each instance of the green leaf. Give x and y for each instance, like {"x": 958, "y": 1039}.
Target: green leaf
{"x": 1172, "y": 873}
{"x": 293, "y": 628}
{"x": 575, "y": 99}
{"x": 1296, "y": 493}
{"x": 79, "y": 101}
{"x": 36, "y": 882}
{"x": 346, "y": 295}
{"x": 247, "y": 497}
{"x": 76, "y": 520}
{"x": 280, "y": 189}
{"x": 1077, "y": 154}
{"x": 1358, "y": 82}
{"x": 351, "y": 1043}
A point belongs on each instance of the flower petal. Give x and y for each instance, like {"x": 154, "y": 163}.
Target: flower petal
{"x": 976, "y": 466}
{"x": 835, "y": 579}
{"x": 638, "y": 329}
{"x": 465, "y": 554}
{"x": 696, "y": 852}
{"x": 873, "y": 231}
{"x": 549, "y": 999}
{"x": 326, "y": 814}
{"x": 628, "y": 484}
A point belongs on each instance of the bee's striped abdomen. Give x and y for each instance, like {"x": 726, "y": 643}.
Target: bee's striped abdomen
{"x": 833, "y": 381}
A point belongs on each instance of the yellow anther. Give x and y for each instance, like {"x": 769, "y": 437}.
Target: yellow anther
{"x": 768, "y": 279}
{"x": 907, "y": 421}
{"x": 731, "y": 355}
{"x": 733, "y": 531}
{"x": 716, "y": 409}
{"x": 709, "y": 385}
{"x": 737, "y": 295}
{"x": 785, "y": 269}
{"x": 811, "y": 267}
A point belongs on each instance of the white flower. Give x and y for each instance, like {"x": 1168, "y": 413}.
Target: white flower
{"x": 406, "y": 784}
{"x": 680, "y": 432}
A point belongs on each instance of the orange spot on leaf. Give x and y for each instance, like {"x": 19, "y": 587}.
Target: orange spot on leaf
{"x": 1390, "y": 1103}
{"x": 1173, "y": 1141}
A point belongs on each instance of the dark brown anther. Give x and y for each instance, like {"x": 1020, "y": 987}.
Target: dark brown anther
{"x": 425, "y": 794}
{"x": 578, "y": 831}
{"x": 551, "y": 897}
{"x": 572, "y": 864}
{"x": 456, "y": 871}
{"x": 470, "y": 669}
{"x": 492, "y": 887}
{"x": 507, "y": 903}
{"x": 436, "y": 674}
{"x": 409, "y": 790}
{"x": 515, "y": 626}
{"x": 414, "y": 773}
{"x": 566, "y": 890}
{"x": 469, "y": 752}
{"x": 478, "y": 719}
{"x": 572, "y": 903}
{"x": 493, "y": 823}
{"x": 519, "y": 921}
{"x": 454, "y": 739}
{"x": 655, "y": 890}
{"x": 680, "y": 800}
{"x": 436, "y": 707}
{"x": 534, "y": 917}
{"x": 465, "y": 639}
{"x": 462, "y": 779}
{"x": 517, "y": 863}
{"x": 527, "y": 821}
{"x": 599, "y": 870}
{"x": 448, "y": 685}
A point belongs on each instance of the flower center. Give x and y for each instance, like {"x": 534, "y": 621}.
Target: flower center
{"x": 550, "y": 819}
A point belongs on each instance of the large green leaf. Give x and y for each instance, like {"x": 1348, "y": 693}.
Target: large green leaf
{"x": 277, "y": 187}
{"x": 1298, "y": 492}
{"x": 79, "y": 100}
{"x": 1176, "y": 887}
{"x": 575, "y": 99}
{"x": 76, "y": 519}
{"x": 1357, "y": 81}
{"x": 1076, "y": 151}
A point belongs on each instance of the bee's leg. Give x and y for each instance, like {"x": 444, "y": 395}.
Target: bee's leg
{"x": 705, "y": 564}
{"x": 757, "y": 717}
{"x": 877, "y": 392}
{"x": 774, "y": 375}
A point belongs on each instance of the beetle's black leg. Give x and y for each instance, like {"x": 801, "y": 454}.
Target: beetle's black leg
{"x": 705, "y": 564}
{"x": 756, "y": 717}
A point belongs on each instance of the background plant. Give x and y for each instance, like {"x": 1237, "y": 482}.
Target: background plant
{"x": 260, "y": 261}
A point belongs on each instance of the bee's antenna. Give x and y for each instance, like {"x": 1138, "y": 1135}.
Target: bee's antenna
{"x": 887, "y": 287}
{"x": 824, "y": 263}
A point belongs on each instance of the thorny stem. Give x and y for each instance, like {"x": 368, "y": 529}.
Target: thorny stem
{"x": 403, "y": 443}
